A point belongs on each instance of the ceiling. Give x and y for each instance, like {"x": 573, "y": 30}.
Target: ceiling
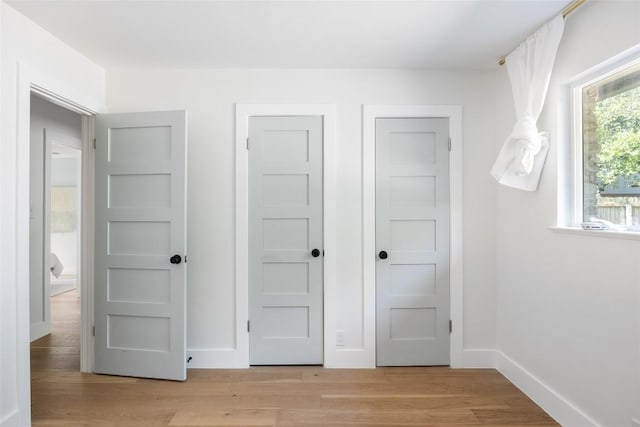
{"x": 292, "y": 34}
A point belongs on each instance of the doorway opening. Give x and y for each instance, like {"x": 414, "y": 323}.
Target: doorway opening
{"x": 54, "y": 235}
{"x": 66, "y": 167}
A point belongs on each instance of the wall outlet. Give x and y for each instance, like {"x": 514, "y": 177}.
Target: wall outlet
{"x": 339, "y": 338}
{"x": 635, "y": 422}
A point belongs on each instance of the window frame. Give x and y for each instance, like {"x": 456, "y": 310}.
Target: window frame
{"x": 570, "y": 154}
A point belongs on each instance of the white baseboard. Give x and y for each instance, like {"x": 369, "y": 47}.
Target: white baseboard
{"x": 360, "y": 359}
{"x": 350, "y": 358}
{"x": 479, "y": 358}
{"x": 557, "y": 406}
{"x": 212, "y": 358}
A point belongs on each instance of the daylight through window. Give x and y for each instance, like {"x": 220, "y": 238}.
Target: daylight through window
{"x": 611, "y": 149}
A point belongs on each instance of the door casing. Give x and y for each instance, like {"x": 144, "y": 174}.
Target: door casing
{"x": 454, "y": 114}
{"x": 87, "y": 114}
{"x": 365, "y": 355}
{"x": 49, "y": 87}
{"x": 243, "y": 112}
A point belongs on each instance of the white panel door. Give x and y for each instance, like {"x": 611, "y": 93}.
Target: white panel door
{"x": 140, "y": 272}
{"x": 412, "y": 241}
{"x": 285, "y": 240}
{"x": 39, "y": 235}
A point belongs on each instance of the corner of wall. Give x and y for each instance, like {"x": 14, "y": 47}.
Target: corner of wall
{"x": 479, "y": 358}
{"x": 556, "y": 405}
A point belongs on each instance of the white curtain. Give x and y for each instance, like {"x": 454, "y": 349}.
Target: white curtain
{"x": 520, "y": 161}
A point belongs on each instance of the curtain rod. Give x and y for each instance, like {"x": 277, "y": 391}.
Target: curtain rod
{"x": 565, "y": 12}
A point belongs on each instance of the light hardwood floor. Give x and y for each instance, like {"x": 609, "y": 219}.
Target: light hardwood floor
{"x": 265, "y": 396}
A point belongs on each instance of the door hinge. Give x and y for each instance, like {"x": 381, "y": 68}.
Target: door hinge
{"x": 449, "y": 144}
{"x": 93, "y": 330}
{"x": 248, "y": 325}
{"x": 450, "y": 326}
{"x": 94, "y": 143}
{"x": 185, "y": 259}
{"x": 247, "y": 143}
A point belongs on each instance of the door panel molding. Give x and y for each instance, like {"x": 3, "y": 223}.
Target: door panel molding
{"x": 243, "y": 112}
{"x": 285, "y": 219}
{"x": 370, "y": 114}
{"x": 137, "y": 334}
{"x": 412, "y": 282}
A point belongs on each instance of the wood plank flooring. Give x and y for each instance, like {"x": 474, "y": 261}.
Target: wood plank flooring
{"x": 265, "y": 396}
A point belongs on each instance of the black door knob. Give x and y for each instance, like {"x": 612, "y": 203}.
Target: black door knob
{"x": 315, "y": 253}
{"x": 176, "y": 259}
{"x": 383, "y": 255}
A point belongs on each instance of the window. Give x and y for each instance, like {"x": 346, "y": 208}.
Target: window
{"x": 607, "y": 126}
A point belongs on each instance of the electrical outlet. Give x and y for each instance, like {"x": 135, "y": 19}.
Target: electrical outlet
{"x": 339, "y": 338}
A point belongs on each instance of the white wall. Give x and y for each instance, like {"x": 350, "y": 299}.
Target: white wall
{"x": 65, "y": 71}
{"x": 64, "y": 172}
{"x": 210, "y": 95}
{"x": 569, "y": 305}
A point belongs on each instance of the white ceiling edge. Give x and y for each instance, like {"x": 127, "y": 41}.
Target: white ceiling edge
{"x": 292, "y": 34}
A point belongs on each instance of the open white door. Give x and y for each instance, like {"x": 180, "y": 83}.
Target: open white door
{"x": 140, "y": 272}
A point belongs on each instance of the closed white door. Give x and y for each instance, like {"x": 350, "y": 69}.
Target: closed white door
{"x": 140, "y": 238}
{"x": 412, "y": 241}
{"x": 285, "y": 240}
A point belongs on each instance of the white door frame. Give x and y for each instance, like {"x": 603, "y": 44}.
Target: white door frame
{"x": 49, "y": 87}
{"x": 243, "y": 113}
{"x": 370, "y": 114}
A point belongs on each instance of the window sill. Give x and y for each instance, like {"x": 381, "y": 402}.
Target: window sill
{"x": 612, "y": 234}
